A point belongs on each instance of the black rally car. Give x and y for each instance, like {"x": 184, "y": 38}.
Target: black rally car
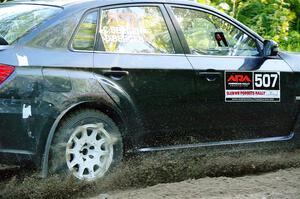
{"x": 84, "y": 82}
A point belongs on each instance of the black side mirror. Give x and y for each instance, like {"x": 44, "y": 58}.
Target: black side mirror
{"x": 270, "y": 48}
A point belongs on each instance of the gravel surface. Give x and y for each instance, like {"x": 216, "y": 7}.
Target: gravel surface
{"x": 276, "y": 185}
{"x": 237, "y": 175}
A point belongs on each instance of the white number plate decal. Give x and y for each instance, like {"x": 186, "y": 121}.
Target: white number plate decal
{"x": 252, "y": 86}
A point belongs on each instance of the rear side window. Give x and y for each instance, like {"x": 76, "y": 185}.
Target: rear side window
{"x": 135, "y": 30}
{"x": 85, "y": 37}
{"x": 207, "y": 34}
{"x": 17, "y": 20}
{"x": 58, "y": 35}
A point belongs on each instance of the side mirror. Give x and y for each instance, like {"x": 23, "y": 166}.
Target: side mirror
{"x": 270, "y": 48}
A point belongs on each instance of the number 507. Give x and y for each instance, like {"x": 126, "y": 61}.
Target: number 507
{"x": 266, "y": 80}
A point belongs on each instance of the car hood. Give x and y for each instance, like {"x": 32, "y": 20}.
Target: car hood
{"x": 293, "y": 59}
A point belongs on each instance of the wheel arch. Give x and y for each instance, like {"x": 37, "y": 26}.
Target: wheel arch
{"x": 106, "y": 109}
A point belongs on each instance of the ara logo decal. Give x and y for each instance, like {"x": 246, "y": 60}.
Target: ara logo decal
{"x": 239, "y": 78}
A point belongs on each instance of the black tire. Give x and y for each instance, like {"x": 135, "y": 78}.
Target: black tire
{"x": 57, "y": 158}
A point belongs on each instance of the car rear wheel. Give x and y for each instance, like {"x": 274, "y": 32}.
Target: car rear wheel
{"x": 87, "y": 145}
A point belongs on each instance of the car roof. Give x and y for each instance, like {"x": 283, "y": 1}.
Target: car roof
{"x": 61, "y": 3}
{"x": 67, "y": 3}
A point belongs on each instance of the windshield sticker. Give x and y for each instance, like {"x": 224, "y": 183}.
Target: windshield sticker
{"x": 252, "y": 86}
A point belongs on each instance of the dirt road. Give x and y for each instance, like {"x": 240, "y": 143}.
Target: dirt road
{"x": 276, "y": 185}
{"x": 238, "y": 175}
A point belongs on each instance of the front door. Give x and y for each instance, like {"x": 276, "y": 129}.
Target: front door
{"x": 241, "y": 95}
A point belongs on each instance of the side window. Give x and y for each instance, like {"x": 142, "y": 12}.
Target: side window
{"x": 85, "y": 36}
{"x": 207, "y": 34}
{"x": 56, "y": 36}
{"x": 135, "y": 30}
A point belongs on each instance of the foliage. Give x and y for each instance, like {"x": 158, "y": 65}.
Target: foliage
{"x": 272, "y": 19}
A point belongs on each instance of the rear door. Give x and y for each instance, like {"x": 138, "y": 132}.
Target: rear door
{"x": 241, "y": 95}
{"x": 139, "y": 52}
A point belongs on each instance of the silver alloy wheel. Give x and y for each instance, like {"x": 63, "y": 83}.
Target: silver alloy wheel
{"x": 89, "y": 152}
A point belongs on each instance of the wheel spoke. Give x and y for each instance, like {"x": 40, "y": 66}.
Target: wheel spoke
{"x": 73, "y": 163}
{"x": 75, "y": 149}
{"x": 85, "y": 136}
{"x": 104, "y": 153}
{"x": 91, "y": 171}
{"x": 94, "y": 134}
{"x": 71, "y": 151}
{"x": 93, "y": 137}
{"x": 81, "y": 170}
{"x": 101, "y": 142}
{"x": 100, "y": 152}
{"x": 76, "y": 140}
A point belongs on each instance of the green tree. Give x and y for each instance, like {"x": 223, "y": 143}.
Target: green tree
{"x": 273, "y": 19}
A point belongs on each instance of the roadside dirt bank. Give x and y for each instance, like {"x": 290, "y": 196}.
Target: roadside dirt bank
{"x": 218, "y": 174}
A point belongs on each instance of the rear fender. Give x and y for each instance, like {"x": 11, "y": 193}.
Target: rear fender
{"x": 70, "y": 90}
{"x": 126, "y": 105}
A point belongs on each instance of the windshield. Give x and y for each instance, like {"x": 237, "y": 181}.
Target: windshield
{"x": 17, "y": 20}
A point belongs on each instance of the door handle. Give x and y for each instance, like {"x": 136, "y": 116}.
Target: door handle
{"x": 117, "y": 74}
{"x": 210, "y": 76}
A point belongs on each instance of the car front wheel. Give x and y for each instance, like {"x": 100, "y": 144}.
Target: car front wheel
{"x": 87, "y": 145}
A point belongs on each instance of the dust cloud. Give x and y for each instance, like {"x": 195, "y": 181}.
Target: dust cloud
{"x": 149, "y": 170}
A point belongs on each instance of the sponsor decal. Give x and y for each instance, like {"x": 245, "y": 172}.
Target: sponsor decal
{"x": 252, "y": 86}
{"x": 239, "y": 80}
